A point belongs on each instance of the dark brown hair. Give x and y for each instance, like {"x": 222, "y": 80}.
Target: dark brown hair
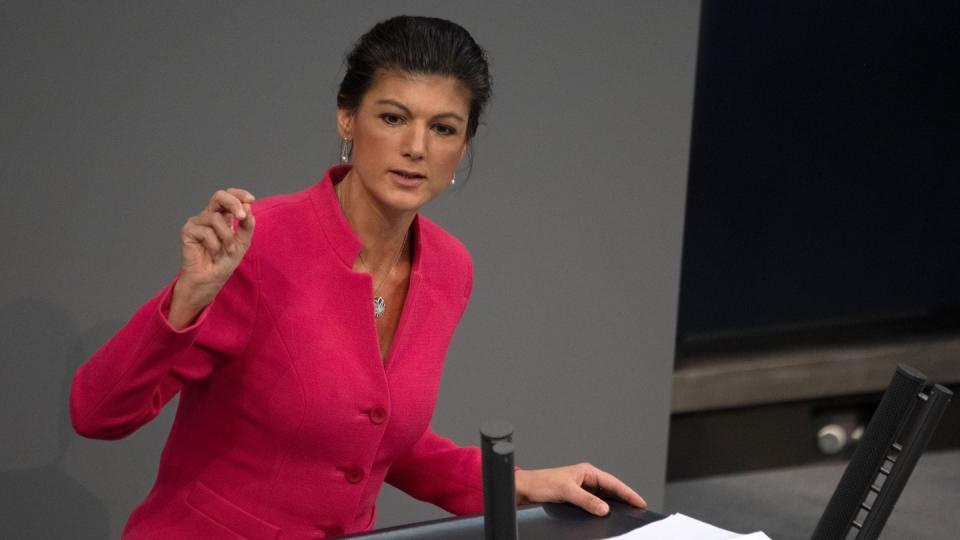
{"x": 418, "y": 45}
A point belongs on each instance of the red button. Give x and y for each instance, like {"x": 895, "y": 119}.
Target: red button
{"x": 378, "y": 415}
{"x": 355, "y": 475}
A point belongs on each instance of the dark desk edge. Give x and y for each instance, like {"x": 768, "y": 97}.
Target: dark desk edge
{"x": 531, "y": 519}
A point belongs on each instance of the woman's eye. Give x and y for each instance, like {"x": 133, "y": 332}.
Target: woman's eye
{"x": 443, "y": 129}
{"x": 392, "y": 119}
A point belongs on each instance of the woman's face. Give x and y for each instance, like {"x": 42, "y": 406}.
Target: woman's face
{"x": 409, "y": 134}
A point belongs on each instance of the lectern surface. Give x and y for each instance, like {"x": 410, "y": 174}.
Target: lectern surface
{"x": 554, "y": 521}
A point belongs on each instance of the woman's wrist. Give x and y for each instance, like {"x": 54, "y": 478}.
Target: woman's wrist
{"x": 520, "y": 478}
{"x": 185, "y": 305}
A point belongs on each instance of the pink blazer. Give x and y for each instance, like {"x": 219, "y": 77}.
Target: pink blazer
{"x": 288, "y": 421}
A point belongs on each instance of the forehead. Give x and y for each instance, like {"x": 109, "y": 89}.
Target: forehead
{"x": 425, "y": 92}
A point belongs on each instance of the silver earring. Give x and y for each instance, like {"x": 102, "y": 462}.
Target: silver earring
{"x": 346, "y": 148}
{"x": 454, "y": 179}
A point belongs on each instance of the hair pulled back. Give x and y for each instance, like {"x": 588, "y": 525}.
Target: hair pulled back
{"x": 418, "y": 45}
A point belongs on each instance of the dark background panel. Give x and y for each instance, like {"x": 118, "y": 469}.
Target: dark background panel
{"x": 824, "y": 173}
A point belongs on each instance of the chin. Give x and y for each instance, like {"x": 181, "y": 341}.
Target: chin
{"x": 406, "y": 201}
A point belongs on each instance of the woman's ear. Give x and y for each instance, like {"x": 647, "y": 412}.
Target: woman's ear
{"x": 345, "y": 122}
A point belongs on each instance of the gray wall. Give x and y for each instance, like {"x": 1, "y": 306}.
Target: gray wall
{"x": 117, "y": 120}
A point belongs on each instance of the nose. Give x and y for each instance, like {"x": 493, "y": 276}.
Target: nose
{"x": 415, "y": 142}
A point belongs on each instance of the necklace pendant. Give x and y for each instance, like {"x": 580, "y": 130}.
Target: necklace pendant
{"x": 379, "y": 306}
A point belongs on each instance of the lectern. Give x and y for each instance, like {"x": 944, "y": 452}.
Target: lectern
{"x": 503, "y": 521}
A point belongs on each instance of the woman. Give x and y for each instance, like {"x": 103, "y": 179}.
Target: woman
{"x": 308, "y": 360}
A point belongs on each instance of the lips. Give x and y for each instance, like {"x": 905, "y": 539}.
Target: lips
{"x": 411, "y": 175}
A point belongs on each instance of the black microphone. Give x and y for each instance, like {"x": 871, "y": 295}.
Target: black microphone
{"x": 499, "y": 487}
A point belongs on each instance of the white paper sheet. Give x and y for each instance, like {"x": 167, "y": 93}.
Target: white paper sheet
{"x": 681, "y": 527}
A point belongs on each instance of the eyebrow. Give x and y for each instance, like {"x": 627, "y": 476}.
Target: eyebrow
{"x": 407, "y": 110}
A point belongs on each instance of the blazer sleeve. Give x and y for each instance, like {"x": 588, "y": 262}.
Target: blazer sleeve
{"x": 438, "y": 471}
{"x": 129, "y": 379}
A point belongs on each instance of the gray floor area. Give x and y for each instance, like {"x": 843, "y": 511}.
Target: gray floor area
{"x": 787, "y": 503}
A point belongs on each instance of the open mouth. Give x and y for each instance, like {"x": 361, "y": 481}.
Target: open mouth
{"x": 408, "y": 174}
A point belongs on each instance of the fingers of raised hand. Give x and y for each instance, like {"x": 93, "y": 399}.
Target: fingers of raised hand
{"x": 218, "y": 222}
{"x": 229, "y": 204}
{"x": 230, "y": 201}
{"x": 194, "y": 232}
{"x": 245, "y": 196}
{"x": 245, "y": 229}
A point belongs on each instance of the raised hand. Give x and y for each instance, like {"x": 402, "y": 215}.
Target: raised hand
{"x": 211, "y": 248}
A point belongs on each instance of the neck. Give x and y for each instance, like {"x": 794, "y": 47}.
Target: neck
{"x": 382, "y": 232}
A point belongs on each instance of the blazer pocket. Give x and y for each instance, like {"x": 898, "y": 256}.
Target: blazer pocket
{"x": 223, "y": 512}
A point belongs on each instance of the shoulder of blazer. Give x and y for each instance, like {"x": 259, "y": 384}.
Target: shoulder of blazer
{"x": 446, "y": 262}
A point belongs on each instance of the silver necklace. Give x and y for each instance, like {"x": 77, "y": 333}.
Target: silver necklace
{"x": 379, "y": 305}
